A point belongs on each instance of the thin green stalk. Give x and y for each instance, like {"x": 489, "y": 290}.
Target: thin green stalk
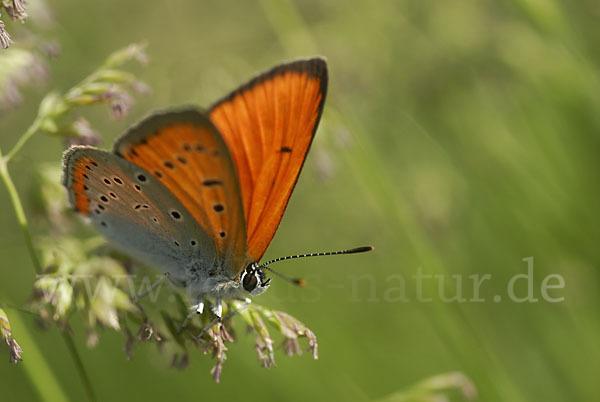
{"x": 35, "y": 126}
{"x": 19, "y": 309}
{"x": 22, "y": 219}
{"x": 79, "y": 364}
{"x": 18, "y": 207}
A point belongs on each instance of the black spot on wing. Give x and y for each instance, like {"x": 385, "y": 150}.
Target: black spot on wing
{"x": 212, "y": 182}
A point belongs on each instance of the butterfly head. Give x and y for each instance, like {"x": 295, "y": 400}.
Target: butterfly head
{"x": 254, "y": 280}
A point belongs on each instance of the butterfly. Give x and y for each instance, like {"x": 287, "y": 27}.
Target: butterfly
{"x": 199, "y": 194}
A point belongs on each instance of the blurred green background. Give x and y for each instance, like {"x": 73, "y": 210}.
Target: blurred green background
{"x": 459, "y": 136}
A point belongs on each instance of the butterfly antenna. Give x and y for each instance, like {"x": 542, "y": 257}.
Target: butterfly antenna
{"x": 295, "y": 281}
{"x": 302, "y": 282}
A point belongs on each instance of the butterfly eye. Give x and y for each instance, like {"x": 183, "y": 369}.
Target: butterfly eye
{"x": 250, "y": 281}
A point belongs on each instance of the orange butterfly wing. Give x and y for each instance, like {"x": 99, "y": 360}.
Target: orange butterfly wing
{"x": 184, "y": 151}
{"x": 268, "y": 125}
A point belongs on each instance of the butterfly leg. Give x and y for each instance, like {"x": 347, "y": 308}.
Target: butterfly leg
{"x": 229, "y": 315}
{"x": 218, "y": 307}
{"x": 151, "y": 288}
{"x": 197, "y": 309}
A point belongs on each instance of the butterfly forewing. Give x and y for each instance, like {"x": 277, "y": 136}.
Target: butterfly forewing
{"x": 137, "y": 213}
{"x": 268, "y": 125}
{"x": 185, "y": 153}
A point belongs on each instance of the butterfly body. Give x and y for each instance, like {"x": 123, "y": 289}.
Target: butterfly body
{"x": 199, "y": 195}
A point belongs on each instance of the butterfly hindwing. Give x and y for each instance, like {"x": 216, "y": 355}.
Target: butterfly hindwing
{"x": 136, "y": 212}
{"x": 268, "y": 125}
{"x": 184, "y": 152}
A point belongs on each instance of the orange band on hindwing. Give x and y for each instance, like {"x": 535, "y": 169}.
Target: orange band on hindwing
{"x": 79, "y": 176}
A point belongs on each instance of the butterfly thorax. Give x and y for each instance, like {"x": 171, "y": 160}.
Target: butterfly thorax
{"x": 200, "y": 282}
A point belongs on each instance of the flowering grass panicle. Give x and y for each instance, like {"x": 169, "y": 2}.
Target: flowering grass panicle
{"x": 21, "y": 66}
{"x": 453, "y": 386}
{"x": 14, "y": 349}
{"x": 16, "y": 11}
